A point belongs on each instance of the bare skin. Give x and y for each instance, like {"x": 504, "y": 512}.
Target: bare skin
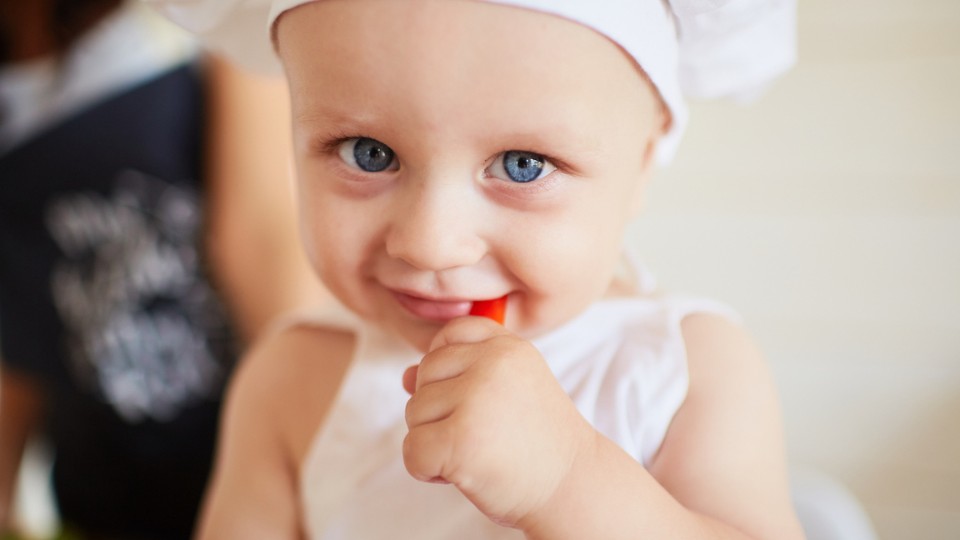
{"x": 408, "y": 245}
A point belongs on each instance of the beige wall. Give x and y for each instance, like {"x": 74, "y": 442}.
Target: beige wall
{"x": 828, "y": 213}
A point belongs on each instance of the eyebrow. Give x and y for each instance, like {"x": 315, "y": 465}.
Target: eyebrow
{"x": 325, "y": 125}
{"x": 570, "y": 148}
{"x": 329, "y": 115}
{"x": 556, "y": 138}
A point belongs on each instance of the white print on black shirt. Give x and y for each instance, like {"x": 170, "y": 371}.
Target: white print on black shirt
{"x": 131, "y": 297}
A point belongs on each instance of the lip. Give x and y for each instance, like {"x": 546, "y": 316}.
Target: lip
{"x": 432, "y": 309}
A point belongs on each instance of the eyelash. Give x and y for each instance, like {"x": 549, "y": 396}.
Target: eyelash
{"x": 559, "y": 165}
{"x": 331, "y": 148}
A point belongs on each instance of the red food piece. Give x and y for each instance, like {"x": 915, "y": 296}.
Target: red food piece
{"x": 495, "y": 310}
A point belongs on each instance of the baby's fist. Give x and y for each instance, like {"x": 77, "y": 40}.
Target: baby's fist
{"x": 488, "y": 416}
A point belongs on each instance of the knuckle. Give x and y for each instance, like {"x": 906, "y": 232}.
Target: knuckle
{"x": 408, "y": 413}
{"x": 412, "y": 460}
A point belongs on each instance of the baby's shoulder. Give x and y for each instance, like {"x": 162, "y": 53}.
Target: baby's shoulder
{"x": 726, "y": 366}
{"x": 292, "y": 375}
{"x": 717, "y": 342}
{"x": 299, "y": 346}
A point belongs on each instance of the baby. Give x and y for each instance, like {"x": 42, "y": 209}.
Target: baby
{"x": 450, "y": 152}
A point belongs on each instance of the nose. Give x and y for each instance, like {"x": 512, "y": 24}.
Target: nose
{"x": 433, "y": 226}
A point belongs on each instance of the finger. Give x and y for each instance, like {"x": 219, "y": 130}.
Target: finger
{"x": 410, "y": 379}
{"x": 426, "y": 451}
{"x": 437, "y": 365}
{"x": 447, "y": 363}
{"x": 433, "y": 403}
{"x": 466, "y": 330}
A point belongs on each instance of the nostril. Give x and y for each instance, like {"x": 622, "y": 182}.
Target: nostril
{"x": 435, "y": 252}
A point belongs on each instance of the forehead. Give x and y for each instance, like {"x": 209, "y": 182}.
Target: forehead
{"x": 439, "y": 61}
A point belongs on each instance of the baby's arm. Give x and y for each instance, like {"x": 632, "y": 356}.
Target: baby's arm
{"x": 278, "y": 397}
{"x": 720, "y": 473}
{"x": 500, "y": 432}
{"x": 724, "y": 455}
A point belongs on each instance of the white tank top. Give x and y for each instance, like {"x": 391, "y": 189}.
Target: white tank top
{"x": 622, "y": 362}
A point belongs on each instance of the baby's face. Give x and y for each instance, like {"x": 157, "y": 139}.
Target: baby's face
{"x": 451, "y": 151}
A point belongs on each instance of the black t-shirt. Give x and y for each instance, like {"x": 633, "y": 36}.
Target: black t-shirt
{"x": 105, "y": 299}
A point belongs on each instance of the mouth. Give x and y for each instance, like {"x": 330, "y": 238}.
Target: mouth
{"x": 433, "y": 309}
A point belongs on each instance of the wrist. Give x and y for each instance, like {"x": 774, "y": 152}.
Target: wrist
{"x": 571, "y": 495}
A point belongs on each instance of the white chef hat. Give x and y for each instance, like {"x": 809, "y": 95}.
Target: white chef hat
{"x": 687, "y": 48}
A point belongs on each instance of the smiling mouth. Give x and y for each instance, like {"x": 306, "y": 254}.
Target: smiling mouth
{"x": 433, "y": 310}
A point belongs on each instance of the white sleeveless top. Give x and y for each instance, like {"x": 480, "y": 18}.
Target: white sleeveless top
{"x": 622, "y": 362}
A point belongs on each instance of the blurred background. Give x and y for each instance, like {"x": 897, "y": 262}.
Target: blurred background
{"x": 828, "y": 214}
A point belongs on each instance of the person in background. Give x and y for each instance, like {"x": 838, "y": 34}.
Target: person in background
{"x": 147, "y": 234}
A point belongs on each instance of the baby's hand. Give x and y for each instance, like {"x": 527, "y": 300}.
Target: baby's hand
{"x": 487, "y": 415}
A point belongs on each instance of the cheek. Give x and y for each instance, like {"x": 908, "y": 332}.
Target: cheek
{"x": 577, "y": 263}
{"x": 565, "y": 262}
{"x": 584, "y": 243}
{"x": 318, "y": 246}
{"x": 333, "y": 237}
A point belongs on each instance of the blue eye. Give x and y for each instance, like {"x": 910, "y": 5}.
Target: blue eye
{"x": 521, "y": 167}
{"x": 366, "y": 154}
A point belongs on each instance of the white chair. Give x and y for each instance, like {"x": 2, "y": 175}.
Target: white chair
{"x": 828, "y": 510}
